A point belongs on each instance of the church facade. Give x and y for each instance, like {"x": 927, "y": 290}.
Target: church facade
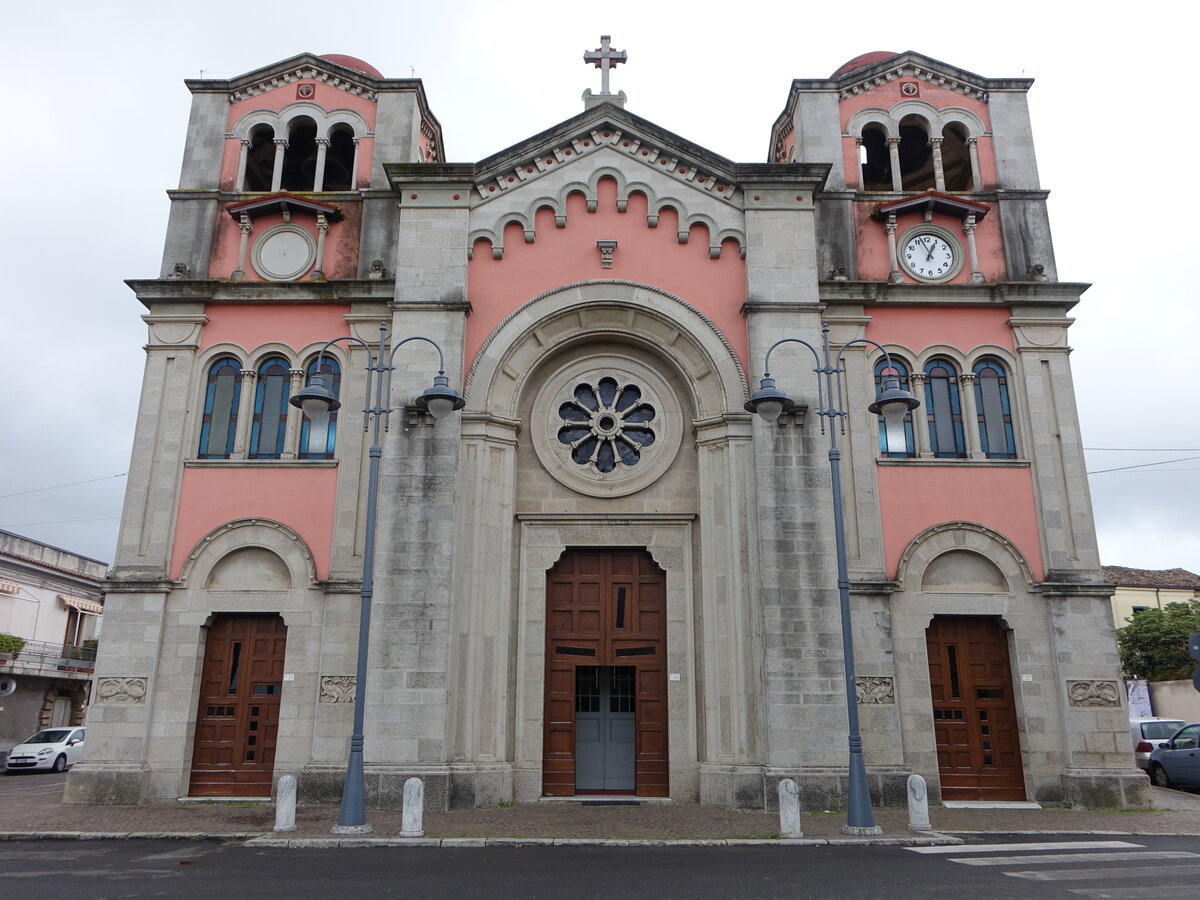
{"x": 604, "y": 575}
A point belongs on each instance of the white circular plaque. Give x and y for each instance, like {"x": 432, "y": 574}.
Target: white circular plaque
{"x": 284, "y": 253}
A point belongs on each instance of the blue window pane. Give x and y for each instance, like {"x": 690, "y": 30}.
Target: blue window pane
{"x": 943, "y": 410}
{"x": 317, "y": 439}
{"x": 270, "y": 409}
{"x": 895, "y": 441}
{"x": 218, "y": 425}
{"x": 994, "y": 411}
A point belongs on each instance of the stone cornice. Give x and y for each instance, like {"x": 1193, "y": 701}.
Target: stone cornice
{"x": 1063, "y": 294}
{"x": 118, "y": 585}
{"x": 162, "y": 290}
{"x": 1061, "y": 590}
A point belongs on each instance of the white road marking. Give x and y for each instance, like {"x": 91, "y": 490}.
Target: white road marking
{"x": 1146, "y": 872}
{"x": 1115, "y": 856}
{"x": 1158, "y": 892}
{"x": 1042, "y": 845}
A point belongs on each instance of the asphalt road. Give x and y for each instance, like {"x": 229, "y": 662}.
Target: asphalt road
{"x": 1013, "y": 866}
{"x": 34, "y": 784}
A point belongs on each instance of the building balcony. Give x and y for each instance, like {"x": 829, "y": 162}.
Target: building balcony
{"x": 50, "y": 660}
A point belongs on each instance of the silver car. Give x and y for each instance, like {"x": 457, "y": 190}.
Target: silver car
{"x": 54, "y": 750}
{"x": 1149, "y": 732}
{"x": 1177, "y": 762}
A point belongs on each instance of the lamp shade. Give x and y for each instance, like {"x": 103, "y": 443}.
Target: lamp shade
{"x": 316, "y": 399}
{"x": 768, "y": 401}
{"x": 439, "y": 400}
{"x": 893, "y": 402}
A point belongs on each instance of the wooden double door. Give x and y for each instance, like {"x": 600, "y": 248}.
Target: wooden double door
{"x": 237, "y": 714}
{"x": 606, "y": 681}
{"x": 974, "y": 712}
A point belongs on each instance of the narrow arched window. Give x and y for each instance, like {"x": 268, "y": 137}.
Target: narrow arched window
{"x": 219, "y": 422}
{"x": 317, "y": 438}
{"x": 943, "y": 410}
{"x": 916, "y": 156}
{"x": 339, "y": 160}
{"x": 260, "y": 159}
{"x": 895, "y": 441}
{"x": 270, "y": 409}
{"x": 956, "y": 158}
{"x": 995, "y": 412}
{"x": 876, "y": 167}
{"x": 300, "y": 157}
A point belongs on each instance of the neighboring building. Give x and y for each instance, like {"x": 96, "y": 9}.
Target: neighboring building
{"x": 1139, "y": 589}
{"x": 51, "y": 599}
{"x": 604, "y": 574}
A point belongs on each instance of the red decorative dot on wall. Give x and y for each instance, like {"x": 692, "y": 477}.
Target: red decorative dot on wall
{"x": 645, "y": 153}
{"x": 608, "y": 134}
{"x": 662, "y": 162}
{"x": 624, "y": 143}
{"x": 700, "y": 180}
{"x": 529, "y": 169}
{"x": 799, "y": 196}
{"x": 492, "y": 189}
{"x": 720, "y": 189}
{"x": 456, "y": 197}
{"x": 549, "y": 162}
{"x": 683, "y": 171}
{"x": 756, "y": 197}
{"x": 587, "y": 143}
{"x": 567, "y": 153}
{"x": 511, "y": 179}
{"x": 412, "y": 196}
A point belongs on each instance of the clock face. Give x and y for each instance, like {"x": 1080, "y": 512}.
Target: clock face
{"x": 928, "y": 256}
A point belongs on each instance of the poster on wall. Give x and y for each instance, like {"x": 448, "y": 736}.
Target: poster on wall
{"x": 1139, "y": 697}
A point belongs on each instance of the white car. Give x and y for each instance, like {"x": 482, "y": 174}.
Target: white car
{"x": 51, "y": 750}
{"x": 1149, "y": 733}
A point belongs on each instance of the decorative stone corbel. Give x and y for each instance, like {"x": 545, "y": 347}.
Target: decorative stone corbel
{"x": 607, "y": 249}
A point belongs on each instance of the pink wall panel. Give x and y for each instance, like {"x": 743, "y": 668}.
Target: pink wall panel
{"x": 563, "y": 255}
{"x": 289, "y": 323}
{"x": 341, "y": 243}
{"x": 918, "y": 327}
{"x": 302, "y": 499}
{"x": 874, "y": 263}
{"x": 914, "y": 498}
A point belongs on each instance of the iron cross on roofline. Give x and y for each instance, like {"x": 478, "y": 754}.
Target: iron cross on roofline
{"x": 605, "y": 58}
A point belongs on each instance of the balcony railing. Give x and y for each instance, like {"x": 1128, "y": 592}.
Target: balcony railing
{"x": 43, "y": 658}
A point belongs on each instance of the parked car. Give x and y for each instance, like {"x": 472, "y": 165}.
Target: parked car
{"x": 54, "y": 749}
{"x": 1177, "y": 762}
{"x": 1149, "y": 732}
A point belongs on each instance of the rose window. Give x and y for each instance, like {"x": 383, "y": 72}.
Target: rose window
{"x": 606, "y": 425}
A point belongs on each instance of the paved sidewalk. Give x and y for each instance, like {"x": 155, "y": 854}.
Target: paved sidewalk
{"x": 561, "y": 822}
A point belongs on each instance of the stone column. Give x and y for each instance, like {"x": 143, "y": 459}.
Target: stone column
{"x": 893, "y": 145}
{"x": 893, "y": 257}
{"x": 277, "y": 171}
{"x": 354, "y": 168}
{"x": 970, "y": 415}
{"x": 858, "y": 145}
{"x": 318, "y": 272}
{"x": 241, "y": 431}
{"x": 973, "y": 149}
{"x": 916, "y": 381}
{"x": 291, "y": 432}
{"x": 239, "y": 274}
{"x": 319, "y": 174}
{"x": 939, "y": 176}
{"x": 972, "y": 252}
{"x": 240, "y": 184}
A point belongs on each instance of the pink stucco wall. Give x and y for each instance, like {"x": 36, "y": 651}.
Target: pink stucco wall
{"x": 874, "y": 263}
{"x": 296, "y": 325}
{"x": 918, "y": 327}
{"x": 914, "y": 498}
{"x": 302, "y": 499}
{"x": 341, "y": 243}
{"x": 326, "y": 96}
{"x": 558, "y": 256}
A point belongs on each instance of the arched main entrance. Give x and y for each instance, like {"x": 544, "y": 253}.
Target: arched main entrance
{"x": 605, "y": 701}
{"x": 237, "y": 713}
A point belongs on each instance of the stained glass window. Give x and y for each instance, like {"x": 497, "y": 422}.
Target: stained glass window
{"x": 221, "y": 396}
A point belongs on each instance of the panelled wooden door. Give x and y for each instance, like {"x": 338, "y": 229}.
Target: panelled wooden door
{"x": 974, "y": 714}
{"x": 237, "y": 716}
{"x": 606, "y": 610}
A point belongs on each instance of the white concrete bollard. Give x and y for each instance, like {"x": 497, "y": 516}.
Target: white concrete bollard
{"x": 413, "y": 809}
{"x": 789, "y": 810}
{"x": 918, "y": 804}
{"x": 285, "y": 803}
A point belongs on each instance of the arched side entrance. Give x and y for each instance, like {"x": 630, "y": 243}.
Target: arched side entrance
{"x": 606, "y": 680}
{"x": 237, "y": 713}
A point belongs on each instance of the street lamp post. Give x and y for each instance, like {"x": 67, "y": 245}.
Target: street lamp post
{"x": 317, "y": 400}
{"x": 893, "y": 403}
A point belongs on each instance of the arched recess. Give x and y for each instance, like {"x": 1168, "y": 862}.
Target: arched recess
{"x": 991, "y": 545}
{"x": 595, "y": 310}
{"x": 216, "y": 549}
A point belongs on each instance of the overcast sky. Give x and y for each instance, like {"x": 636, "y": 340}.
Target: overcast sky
{"x": 97, "y": 109}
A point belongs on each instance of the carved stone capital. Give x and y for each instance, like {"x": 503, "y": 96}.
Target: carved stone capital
{"x": 1093, "y": 693}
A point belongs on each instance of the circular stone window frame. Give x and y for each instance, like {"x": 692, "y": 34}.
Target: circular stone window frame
{"x": 264, "y": 240}
{"x": 945, "y": 234}
{"x": 655, "y": 460}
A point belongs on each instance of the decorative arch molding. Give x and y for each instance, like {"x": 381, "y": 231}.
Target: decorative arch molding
{"x": 280, "y": 120}
{"x": 942, "y": 538}
{"x": 589, "y": 190}
{"x": 965, "y": 361}
{"x": 241, "y": 534}
{"x": 589, "y": 311}
{"x": 935, "y": 119}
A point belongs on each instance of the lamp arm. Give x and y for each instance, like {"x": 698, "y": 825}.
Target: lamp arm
{"x": 887, "y": 356}
{"x": 417, "y": 337}
{"x": 346, "y": 337}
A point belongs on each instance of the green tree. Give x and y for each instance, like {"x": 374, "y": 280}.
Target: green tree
{"x": 1154, "y": 643}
